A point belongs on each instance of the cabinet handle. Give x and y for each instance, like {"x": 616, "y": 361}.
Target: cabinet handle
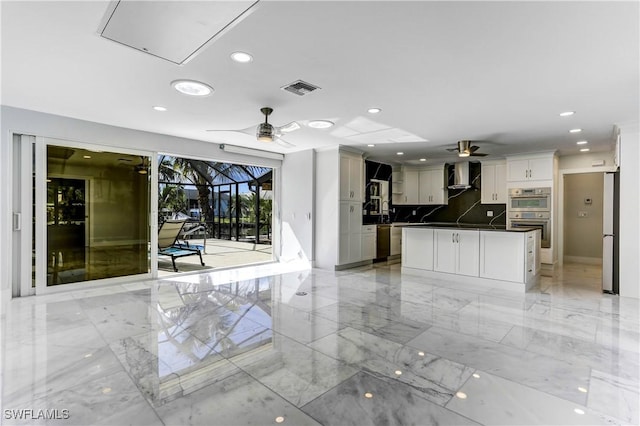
{"x": 453, "y": 238}
{"x": 530, "y": 251}
{"x": 457, "y": 238}
{"x": 530, "y": 270}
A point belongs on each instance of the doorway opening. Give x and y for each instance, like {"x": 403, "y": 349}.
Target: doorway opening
{"x": 226, "y": 210}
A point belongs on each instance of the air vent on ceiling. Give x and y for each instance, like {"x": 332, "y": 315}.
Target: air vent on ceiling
{"x": 300, "y": 87}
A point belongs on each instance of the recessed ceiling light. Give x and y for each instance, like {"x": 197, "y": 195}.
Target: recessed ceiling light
{"x": 461, "y": 395}
{"x": 575, "y": 130}
{"x": 86, "y": 156}
{"x": 374, "y": 110}
{"x": 400, "y": 153}
{"x": 423, "y": 159}
{"x": 159, "y": 108}
{"x": 242, "y": 57}
{"x": 320, "y": 124}
{"x": 584, "y": 149}
{"x": 192, "y": 87}
{"x": 370, "y": 145}
{"x": 567, "y": 113}
{"x": 581, "y": 143}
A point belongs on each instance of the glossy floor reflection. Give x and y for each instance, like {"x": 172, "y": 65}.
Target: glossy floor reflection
{"x": 357, "y": 347}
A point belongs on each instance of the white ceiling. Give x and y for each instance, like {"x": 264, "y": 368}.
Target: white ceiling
{"x": 495, "y": 72}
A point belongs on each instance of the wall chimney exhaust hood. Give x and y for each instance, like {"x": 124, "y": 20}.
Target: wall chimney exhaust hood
{"x": 461, "y": 176}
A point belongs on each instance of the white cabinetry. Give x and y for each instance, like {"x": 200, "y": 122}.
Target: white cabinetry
{"x": 338, "y": 199}
{"x": 432, "y": 187}
{"x": 493, "y": 183}
{"x": 417, "y": 251}
{"x": 456, "y": 251}
{"x": 368, "y": 250}
{"x": 422, "y": 186}
{"x": 530, "y": 168}
{"x": 508, "y": 256}
{"x": 351, "y": 177}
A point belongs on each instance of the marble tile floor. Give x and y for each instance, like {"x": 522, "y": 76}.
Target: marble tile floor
{"x": 366, "y": 346}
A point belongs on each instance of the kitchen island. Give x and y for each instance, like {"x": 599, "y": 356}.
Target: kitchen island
{"x": 489, "y": 256}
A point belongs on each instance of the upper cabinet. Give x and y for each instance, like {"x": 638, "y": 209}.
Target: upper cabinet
{"x": 493, "y": 188}
{"x": 533, "y": 167}
{"x": 351, "y": 177}
{"x": 422, "y": 186}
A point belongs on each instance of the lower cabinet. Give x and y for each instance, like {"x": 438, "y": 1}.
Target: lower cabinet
{"x": 350, "y": 236}
{"x": 417, "y": 251}
{"x": 456, "y": 252}
{"x": 368, "y": 242}
{"x": 508, "y": 256}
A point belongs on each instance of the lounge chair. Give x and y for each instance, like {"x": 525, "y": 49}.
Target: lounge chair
{"x": 169, "y": 245}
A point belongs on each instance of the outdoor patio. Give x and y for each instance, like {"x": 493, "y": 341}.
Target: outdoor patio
{"x": 217, "y": 254}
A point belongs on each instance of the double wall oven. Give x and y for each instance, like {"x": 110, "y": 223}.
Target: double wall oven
{"x": 531, "y": 208}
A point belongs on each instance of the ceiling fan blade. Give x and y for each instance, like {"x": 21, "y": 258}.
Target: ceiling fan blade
{"x": 289, "y": 127}
{"x": 473, "y": 154}
{"x": 284, "y": 143}
{"x": 452, "y": 149}
{"x": 248, "y": 131}
{"x": 473, "y": 149}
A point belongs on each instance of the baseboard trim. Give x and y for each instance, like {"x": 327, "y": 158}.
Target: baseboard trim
{"x": 583, "y": 259}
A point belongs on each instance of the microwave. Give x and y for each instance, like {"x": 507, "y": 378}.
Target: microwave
{"x": 530, "y": 199}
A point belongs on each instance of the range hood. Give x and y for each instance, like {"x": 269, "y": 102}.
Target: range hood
{"x": 461, "y": 176}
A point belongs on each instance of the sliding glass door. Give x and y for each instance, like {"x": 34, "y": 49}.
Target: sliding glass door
{"x": 90, "y": 211}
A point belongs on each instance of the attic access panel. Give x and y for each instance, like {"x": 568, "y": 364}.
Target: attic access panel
{"x": 172, "y": 30}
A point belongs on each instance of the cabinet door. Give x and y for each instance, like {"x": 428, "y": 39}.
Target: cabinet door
{"x": 502, "y": 255}
{"x": 468, "y": 256}
{"x": 411, "y": 186}
{"x": 355, "y": 247}
{"x": 445, "y": 250}
{"x": 345, "y": 185}
{"x": 487, "y": 184}
{"x": 424, "y": 187}
{"x": 368, "y": 246}
{"x": 355, "y": 178}
{"x": 355, "y": 218}
{"x": 517, "y": 170}
{"x": 500, "y": 183}
{"x": 541, "y": 169}
{"x": 417, "y": 248}
{"x": 437, "y": 187}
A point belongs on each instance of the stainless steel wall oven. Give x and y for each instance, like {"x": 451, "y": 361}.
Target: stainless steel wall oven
{"x": 531, "y": 208}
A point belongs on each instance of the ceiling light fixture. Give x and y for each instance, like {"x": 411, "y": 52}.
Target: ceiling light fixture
{"x": 86, "y": 156}
{"x": 192, "y": 87}
{"x": 423, "y": 159}
{"x": 584, "y": 149}
{"x": 368, "y": 395}
{"x": 567, "y": 113}
{"x": 461, "y": 395}
{"x": 241, "y": 57}
{"x": 320, "y": 124}
{"x": 374, "y": 110}
{"x": 279, "y": 419}
{"x": 581, "y": 389}
{"x": 575, "y": 130}
{"x": 159, "y": 108}
{"x": 370, "y": 145}
{"x": 578, "y": 411}
{"x": 581, "y": 143}
{"x": 400, "y": 153}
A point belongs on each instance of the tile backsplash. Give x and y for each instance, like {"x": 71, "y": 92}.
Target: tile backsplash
{"x": 463, "y": 204}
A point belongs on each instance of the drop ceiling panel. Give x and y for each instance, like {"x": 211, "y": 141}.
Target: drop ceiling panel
{"x": 172, "y": 30}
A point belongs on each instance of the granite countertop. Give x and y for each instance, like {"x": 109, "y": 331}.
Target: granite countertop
{"x": 470, "y": 226}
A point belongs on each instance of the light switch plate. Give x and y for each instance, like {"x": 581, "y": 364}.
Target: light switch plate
{"x": 489, "y": 213}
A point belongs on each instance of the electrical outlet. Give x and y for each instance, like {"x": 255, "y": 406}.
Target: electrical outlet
{"x": 413, "y": 212}
{"x": 583, "y": 214}
{"x": 489, "y": 213}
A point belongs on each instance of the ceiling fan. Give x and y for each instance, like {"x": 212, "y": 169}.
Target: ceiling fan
{"x": 266, "y": 132}
{"x": 465, "y": 149}
{"x": 143, "y": 167}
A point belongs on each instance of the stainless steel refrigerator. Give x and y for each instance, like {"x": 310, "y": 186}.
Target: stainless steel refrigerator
{"x": 610, "y": 231}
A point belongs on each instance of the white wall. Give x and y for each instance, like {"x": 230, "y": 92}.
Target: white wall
{"x": 629, "y": 239}
{"x": 585, "y": 161}
{"x": 298, "y": 185}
